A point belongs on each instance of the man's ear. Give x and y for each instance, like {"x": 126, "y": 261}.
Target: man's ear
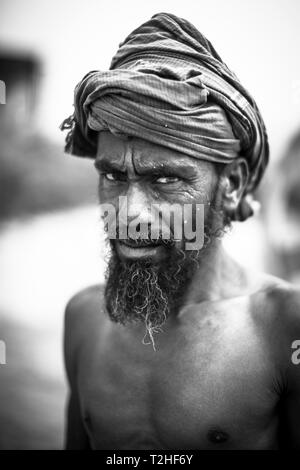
{"x": 235, "y": 177}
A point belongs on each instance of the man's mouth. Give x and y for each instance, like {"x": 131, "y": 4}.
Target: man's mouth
{"x": 139, "y": 249}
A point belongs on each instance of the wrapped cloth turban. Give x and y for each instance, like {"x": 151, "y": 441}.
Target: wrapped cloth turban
{"x": 167, "y": 85}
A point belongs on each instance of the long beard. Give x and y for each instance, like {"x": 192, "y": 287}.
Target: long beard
{"x": 141, "y": 291}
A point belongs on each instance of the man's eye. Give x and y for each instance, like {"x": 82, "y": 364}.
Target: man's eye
{"x": 109, "y": 176}
{"x": 166, "y": 179}
{"x": 114, "y": 176}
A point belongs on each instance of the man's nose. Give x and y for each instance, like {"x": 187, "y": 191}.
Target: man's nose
{"x": 138, "y": 203}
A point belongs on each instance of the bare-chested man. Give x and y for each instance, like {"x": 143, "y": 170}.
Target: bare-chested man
{"x": 182, "y": 348}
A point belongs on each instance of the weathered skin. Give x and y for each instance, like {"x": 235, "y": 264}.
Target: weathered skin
{"x": 221, "y": 376}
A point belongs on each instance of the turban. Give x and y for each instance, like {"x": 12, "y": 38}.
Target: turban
{"x": 167, "y": 85}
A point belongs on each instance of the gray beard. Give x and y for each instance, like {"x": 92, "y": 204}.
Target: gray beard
{"x": 141, "y": 291}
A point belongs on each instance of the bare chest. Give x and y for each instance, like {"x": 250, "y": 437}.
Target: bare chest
{"x": 200, "y": 389}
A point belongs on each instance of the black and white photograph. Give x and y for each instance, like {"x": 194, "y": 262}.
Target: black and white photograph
{"x": 150, "y": 227}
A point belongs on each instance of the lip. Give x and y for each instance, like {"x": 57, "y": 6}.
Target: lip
{"x": 139, "y": 244}
{"x": 127, "y": 250}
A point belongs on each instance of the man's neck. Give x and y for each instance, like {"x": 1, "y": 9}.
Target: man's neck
{"x": 217, "y": 277}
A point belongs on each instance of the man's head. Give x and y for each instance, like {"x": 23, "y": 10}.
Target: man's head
{"x": 147, "y": 276}
{"x": 176, "y": 127}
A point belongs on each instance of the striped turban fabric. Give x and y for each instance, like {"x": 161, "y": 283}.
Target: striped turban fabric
{"x": 167, "y": 85}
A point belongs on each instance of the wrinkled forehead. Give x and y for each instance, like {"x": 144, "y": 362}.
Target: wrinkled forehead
{"x": 119, "y": 150}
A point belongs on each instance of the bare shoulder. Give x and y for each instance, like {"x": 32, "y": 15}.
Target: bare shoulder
{"x": 86, "y": 300}
{"x": 275, "y": 311}
{"x": 279, "y": 300}
{"x": 83, "y": 314}
{"x": 85, "y": 309}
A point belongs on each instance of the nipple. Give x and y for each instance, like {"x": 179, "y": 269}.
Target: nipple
{"x": 216, "y": 436}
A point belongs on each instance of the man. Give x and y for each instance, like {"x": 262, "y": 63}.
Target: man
{"x": 182, "y": 348}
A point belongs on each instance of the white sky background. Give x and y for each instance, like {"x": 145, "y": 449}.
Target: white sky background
{"x": 258, "y": 39}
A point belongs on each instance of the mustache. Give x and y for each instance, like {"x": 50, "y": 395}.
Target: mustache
{"x": 149, "y": 240}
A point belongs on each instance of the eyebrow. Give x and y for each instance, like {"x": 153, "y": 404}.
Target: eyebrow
{"x": 106, "y": 165}
{"x": 163, "y": 168}
{"x": 148, "y": 168}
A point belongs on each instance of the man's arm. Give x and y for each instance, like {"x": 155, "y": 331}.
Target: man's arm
{"x": 76, "y": 437}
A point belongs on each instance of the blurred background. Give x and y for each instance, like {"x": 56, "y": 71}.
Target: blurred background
{"x": 51, "y": 240}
